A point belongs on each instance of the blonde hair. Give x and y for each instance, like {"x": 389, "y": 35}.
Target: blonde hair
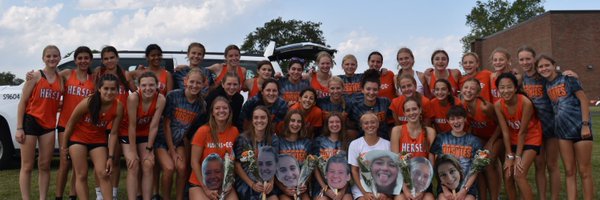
{"x": 48, "y": 47}
{"x": 349, "y": 57}
{"x": 324, "y": 54}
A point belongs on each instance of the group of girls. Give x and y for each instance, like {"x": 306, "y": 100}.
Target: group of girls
{"x": 301, "y": 114}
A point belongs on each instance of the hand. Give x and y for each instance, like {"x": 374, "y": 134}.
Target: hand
{"x": 211, "y": 194}
{"x": 417, "y": 196}
{"x": 64, "y": 153}
{"x": 180, "y": 67}
{"x": 462, "y": 194}
{"x": 140, "y": 67}
{"x": 149, "y": 157}
{"x": 570, "y": 73}
{"x": 174, "y": 154}
{"x": 20, "y": 136}
{"x": 585, "y": 132}
{"x": 518, "y": 166}
{"x": 302, "y": 189}
{"x": 369, "y": 196}
{"x": 132, "y": 161}
{"x": 278, "y": 75}
{"x": 29, "y": 75}
{"x": 384, "y": 71}
{"x": 289, "y": 191}
{"x": 258, "y": 187}
{"x": 508, "y": 164}
{"x": 108, "y": 166}
{"x": 268, "y": 187}
{"x": 385, "y": 197}
{"x": 428, "y": 71}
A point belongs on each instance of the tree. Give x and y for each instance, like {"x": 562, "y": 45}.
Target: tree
{"x": 8, "y": 78}
{"x": 283, "y": 32}
{"x": 492, "y": 16}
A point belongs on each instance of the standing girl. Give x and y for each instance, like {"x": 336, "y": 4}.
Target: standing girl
{"x": 85, "y": 134}
{"x": 470, "y": 63}
{"x": 232, "y": 65}
{"x": 36, "y": 121}
{"x": 386, "y": 77}
{"x": 371, "y": 102}
{"x": 260, "y": 135}
{"x": 407, "y": 85}
{"x": 572, "y": 125}
{"x": 319, "y": 80}
{"x": 413, "y": 137}
{"x": 294, "y": 142}
{"x": 439, "y": 60}
{"x": 182, "y": 107}
{"x": 350, "y": 78}
{"x": 230, "y": 89}
{"x": 406, "y": 61}
{"x": 216, "y": 137}
{"x": 145, "y": 108}
{"x": 265, "y": 71}
{"x": 482, "y": 120}
{"x": 195, "y": 54}
{"x": 154, "y": 58}
{"x": 293, "y": 83}
{"x": 500, "y": 60}
{"x": 79, "y": 84}
{"x": 439, "y": 106}
{"x": 521, "y": 132}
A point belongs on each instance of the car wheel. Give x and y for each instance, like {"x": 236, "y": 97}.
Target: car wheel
{"x": 5, "y": 152}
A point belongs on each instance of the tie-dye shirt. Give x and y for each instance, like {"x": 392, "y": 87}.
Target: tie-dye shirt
{"x": 535, "y": 88}
{"x": 352, "y": 85}
{"x": 566, "y": 106}
{"x": 181, "y": 113}
{"x": 277, "y": 109}
{"x": 462, "y": 148}
{"x": 290, "y": 92}
{"x": 242, "y": 144}
{"x": 381, "y": 109}
{"x": 298, "y": 149}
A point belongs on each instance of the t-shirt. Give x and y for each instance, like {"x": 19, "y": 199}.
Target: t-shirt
{"x": 322, "y": 90}
{"x": 290, "y": 92}
{"x": 416, "y": 146}
{"x": 352, "y": 85}
{"x": 513, "y": 121}
{"x": 297, "y": 149}
{"x": 278, "y": 109}
{"x": 313, "y": 117}
{"x": 179, "y": 75}
{"x": 566, "y": 106}
{"x": 535, "y": 88}
{"x": 328, "y": 107}
{"x": 359, "y": 147}
{"x": 387, "y": 88}
{"x": 439, "y": 114}
{"x": 462, "y": 148}
{"x": 181, "y": 113}
{"x": 203, "y": 138}
{"x": 358, "y": 108}
{"x": 323, "y": 146}
{"x": 397, "y": 107}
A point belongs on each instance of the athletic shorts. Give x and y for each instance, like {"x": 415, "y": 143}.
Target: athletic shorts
{"x": 88, "y": 146}
{"x": 32, "y": 127}
{"x": 527, "y": 147}
{"x": 138, "y": 140}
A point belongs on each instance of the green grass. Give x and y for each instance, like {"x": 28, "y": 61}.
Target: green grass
{"x": 9, "y": 179}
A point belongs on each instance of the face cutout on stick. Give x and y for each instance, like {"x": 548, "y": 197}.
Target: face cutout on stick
{"x": 213, "y": 172}
{"x": 267, "y": 163}
{"x": 421, "y": 173}
{"x": 288, "y": 171}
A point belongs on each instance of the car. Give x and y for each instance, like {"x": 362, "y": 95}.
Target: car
{"x": 130, "y": 60}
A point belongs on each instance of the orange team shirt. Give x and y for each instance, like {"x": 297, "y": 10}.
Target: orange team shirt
{"x": 439, "y": 114}
{"x": 255, "y": 89}
{"x": 322, "y": 91}
{"x": 44, "y": 101}
{"x": 75, "y": 91}
{"x": 416, "y": 146}
{"x": 162, "y": 81}
{"x": 87, "y": 133}
{"x": 143, "y": 118}
{"x": 203, "y": 139}
{"x": 494, "y": 90}
{"x": 313, "y": 118}
{"x": 534, "y": 128}
{"x": 481, "y": 125}
{"x": 387, "y": 88}
{"x": 224, "y": 71}
{"x": 484, "y": 77}
{"x": 453, "y": 82}
{"x": 397, "y": 107}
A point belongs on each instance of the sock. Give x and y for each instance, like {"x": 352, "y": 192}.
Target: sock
{"x": 98, "y": 194}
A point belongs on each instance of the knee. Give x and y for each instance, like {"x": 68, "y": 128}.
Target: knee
{"x": 181, "y": 169}
{"x": 147, "y": 166}
{"x": 168, "y": 170}
{"x": 570, "y": 172}
{"x": 44, "y": 165}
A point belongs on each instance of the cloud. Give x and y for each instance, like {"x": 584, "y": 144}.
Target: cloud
{"x": 114, "y": 4}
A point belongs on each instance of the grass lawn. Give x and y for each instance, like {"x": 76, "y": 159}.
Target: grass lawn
{"x": 9, "y": 184}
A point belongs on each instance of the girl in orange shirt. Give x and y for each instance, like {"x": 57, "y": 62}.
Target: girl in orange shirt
{"x": 413, "y": 137}
{"x": 440, "y": 105}
{"x": 216, "y": 137}
{"x": 265, "y": 71}
{"x": 154, "y": 57}
{"x": 483, "y": 123}
{"x": 387, "y": 88}
{"x": 470, "y": 63}
{"x": 85, "y": 134}
{"x": 36, "y": 121}
{"x": 145, "y": 108}
{"x": 319, "y": 80}
{"x": 500, "y": 60}
{"x": 406, "y": 61}
{"x": 407, "y": 85}
{"x": 231, "y": 65}
{"x": 439, "y": 60}
{"x": 313, "y": 115}
{"x": 521, "y": 132}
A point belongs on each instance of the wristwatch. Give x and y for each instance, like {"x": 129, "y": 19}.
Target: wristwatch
{"x": 510, "y": 157}
{"x": 585, "y": 123}
{"x": 149, "y": 148}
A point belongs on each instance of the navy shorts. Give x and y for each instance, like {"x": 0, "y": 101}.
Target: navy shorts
{"x": 527, "y": 147}
{"x": 88, "y": 146}
{"x": 32, "y": 127}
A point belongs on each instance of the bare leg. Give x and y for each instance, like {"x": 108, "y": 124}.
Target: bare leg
{"x": 46, "y": 149}
{"x": 132, "y": 170}
{"x": 168, "y": 168}
{"x": 583, "y": 154}
{"x": 552, "y": 165}
{"x": 79, "y": 154}
{"x": 27, "y": 161}
{"x": 99, "y": 156}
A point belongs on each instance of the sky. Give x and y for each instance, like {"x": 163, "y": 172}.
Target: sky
{"x": 351, "y": 27}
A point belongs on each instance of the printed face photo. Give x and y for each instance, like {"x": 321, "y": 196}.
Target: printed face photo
{"x": 288, "y": 171}
{"x": 337, "y": 175}
{"x": 266, "y": 163}
{"x": 213, "y": 172}
{"x": 421, "y": 173}
{"x": 385, "y": 171}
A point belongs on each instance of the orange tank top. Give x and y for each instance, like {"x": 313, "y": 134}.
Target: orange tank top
{"x": 224, "y": 71}
{"x": 322, "y": 91}
{"x": 143, "y": 118}
{"x": 534, "y": 128}
{"x": 439, "y": 113}
{"x": 481, "y": 125}
{"x": 397, "y": 107}
{"x": 44, "y": 101}
{"x": 387, "y": 88}
{"x": 88, "y": 133}
{"x": 255, "y": 89}
{"x": 494, "y": 89}
{"x": 75, "y": 91}
{"x": 453, "y": 82}
{"x": 416, "y": 146}
{"x": 162, "y": 81}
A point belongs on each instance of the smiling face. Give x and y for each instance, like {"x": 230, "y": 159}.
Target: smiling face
{"x": 449, "y": 175}
{"x": 51, "y": 57}
{"x": 369, "y": 124}
{"x": 213, "y": 175}
{"x": 266, "y": 165}
{"x": 108, "y": 90}
{"x": 148, "y": 87}
{"x": 83, "y": 61}
{"x": 288, "y": 171}
{"x": 440, "y": 61}
{"x": 195, "y": 55}
{"x": 507, "y": 89}
{"x": 375, "y": 62}
{"x": 231, "y": 85}
{"x": 295, "y": 72}
{"x": 193, "y": 83}
{"x": 335, "y": 89}
{"x": 154, "y": 58}
{"x": 295, "y": 124}
{"x": 384, "y": 171}
{"x": 265, "y": 71}
{"x": 526, "y": 61}
{"x": 337, "y": 175}
{"x": 412, "y": 111}
{"x": 325, "y": 64}
{"x": 270, "y": 93}
{"x": 334, "y": 124}
{"x": 407, "y": 87}
{"x": 307, "y": 99}
{"x": 421, "y": 175}
{"x": 405, "y": 60}
{"x": 220, "y": 111}
{"x": 470, "y": 90}
{"x": 470, "y": 64}
{"x": 457, "y": 123}
{"x": 546, "y": 69}
{"x": 110, "y": 60}
{"x": 500, "y": 62}
{"x": 441, "y": 91}
{"x": 370, "y": 90}
{"x": 260, "y": 119}
{"x": 349, "y": 66}
{"x": 233, "y": 57}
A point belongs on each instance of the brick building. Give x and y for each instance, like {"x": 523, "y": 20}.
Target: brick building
{"x": 572, "y": 38}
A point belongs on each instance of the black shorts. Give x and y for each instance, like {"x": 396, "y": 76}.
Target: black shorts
{"x": 591, "y": 138}
{"x": 138, "y": 140}
{"x": 527, "y": 147}
{"x": 60, "y": 129}
{"x": 88, "y": 146}
{"x": 32, "y": 127}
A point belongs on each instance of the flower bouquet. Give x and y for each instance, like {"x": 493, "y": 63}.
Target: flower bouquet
{"x": 366, "y": 176}
{"x": 307, "y": 168}
{"x": 404, "y": 164}
{"x": 479, "y": 162}
{"x": 228, "y": 175}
